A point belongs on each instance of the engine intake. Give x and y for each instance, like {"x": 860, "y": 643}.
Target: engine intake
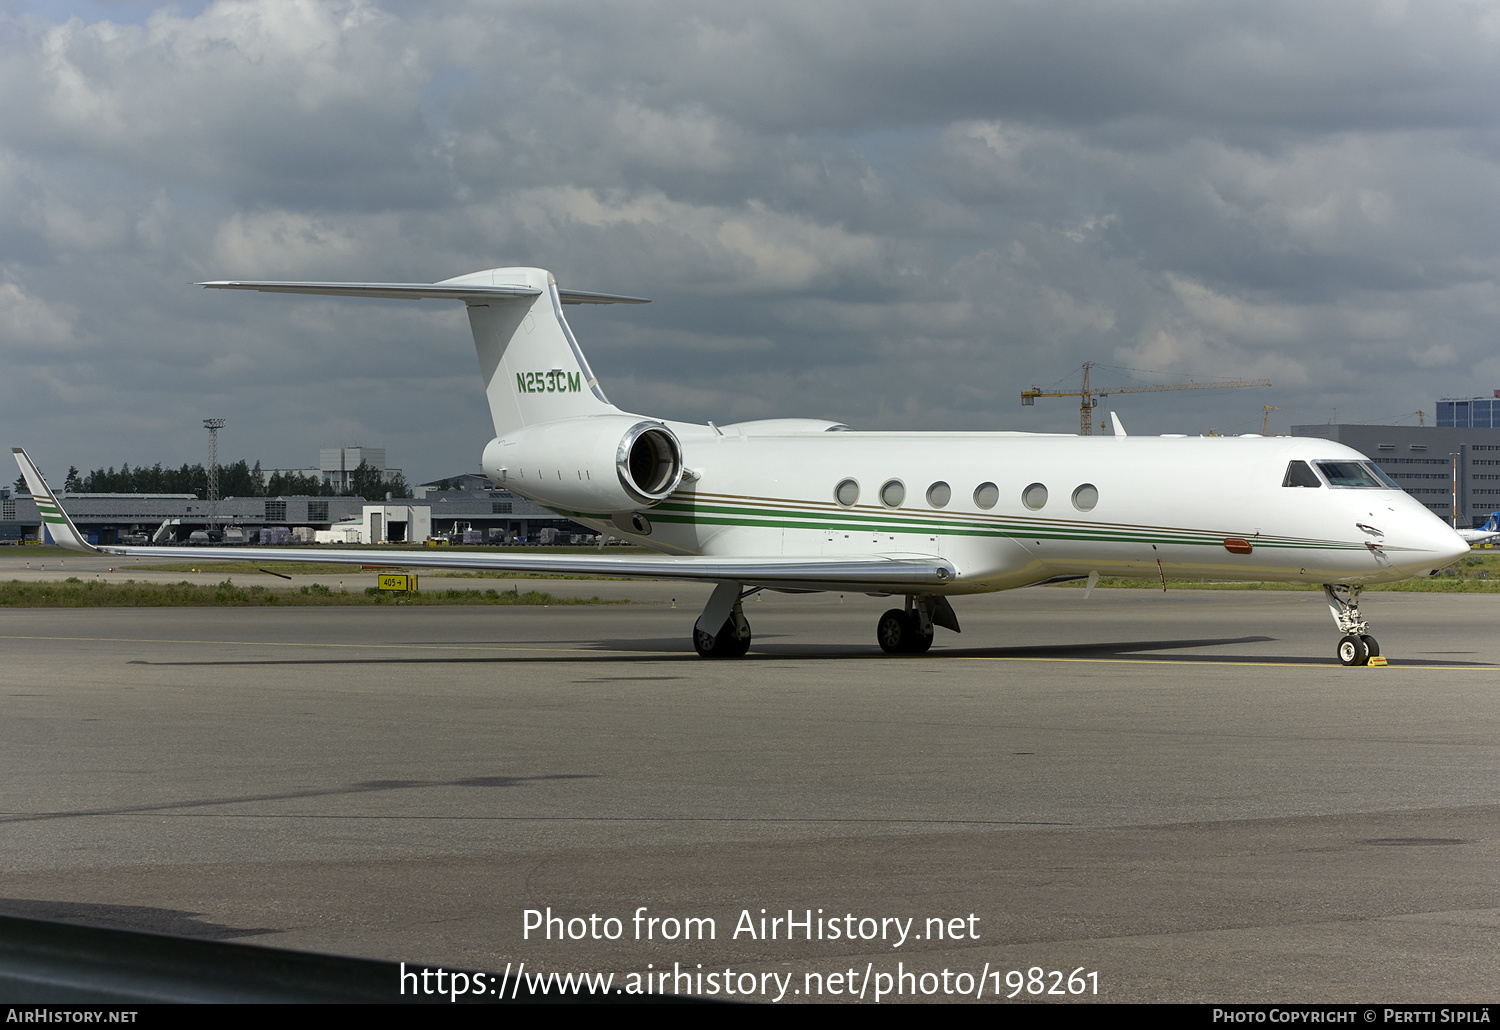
{"x": 649, "y": 462}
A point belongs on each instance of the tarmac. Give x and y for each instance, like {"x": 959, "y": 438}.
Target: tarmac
{"x": 1178, "y": 796}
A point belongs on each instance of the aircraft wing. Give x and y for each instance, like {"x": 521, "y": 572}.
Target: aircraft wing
{"x": 872, "y": 573}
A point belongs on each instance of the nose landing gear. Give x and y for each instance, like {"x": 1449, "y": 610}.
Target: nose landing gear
{"x": 1356, "y": 647}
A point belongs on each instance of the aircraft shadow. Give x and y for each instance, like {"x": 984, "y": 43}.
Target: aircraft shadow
{"x": 675, "y": 648}
{"x": 129, "y": 917}
{"x": 363, "y": 787}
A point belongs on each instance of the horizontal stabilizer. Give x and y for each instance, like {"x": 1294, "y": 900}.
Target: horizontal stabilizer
{"x": 389, "y": 291}
{"x": 421, "y": 291}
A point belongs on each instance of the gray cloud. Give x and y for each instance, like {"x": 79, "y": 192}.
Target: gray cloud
{"x": 889, "y": 215}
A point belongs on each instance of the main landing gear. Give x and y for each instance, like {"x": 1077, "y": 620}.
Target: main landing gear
{"x": 731, "y": 638}
{"x": 909, "y": 630}
{"x": 1356, "y": 647}
{"x": 900, "y": 631}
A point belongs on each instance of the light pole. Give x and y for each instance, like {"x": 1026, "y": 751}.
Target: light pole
{"x": 213, "y": 425}
{"x": 1454, "y": 456}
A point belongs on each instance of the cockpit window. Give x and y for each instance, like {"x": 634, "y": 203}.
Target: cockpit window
{"x": 1358, "y": 475}
{"x": 1390, "y": 484}
{"x": 1298, "y": 473}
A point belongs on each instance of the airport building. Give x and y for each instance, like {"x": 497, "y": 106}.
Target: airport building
{"x": 336, "y": 466}
{"x": 466, "y": 509}
{"x": 471, "y": 504}
{"x": 1427, "y": 461}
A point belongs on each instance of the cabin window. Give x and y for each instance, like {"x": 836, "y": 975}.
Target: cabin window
{"x": 1353, "y": 475}
{"x": 846, "y": 493}
{"x": 986, "y": 494}
{"x": 1085, "y": 497}
{"x": 939, "y": 494}
{"x": 893, "y": 493}
{"x": 1034, "y": 497}
{"x": 1299, "y": 473}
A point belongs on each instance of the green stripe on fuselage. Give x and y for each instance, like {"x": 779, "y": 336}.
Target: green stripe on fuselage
{"x": 835, "y": 521}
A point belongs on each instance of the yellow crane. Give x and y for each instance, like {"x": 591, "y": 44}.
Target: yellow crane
{"x": 1088, "y": 398}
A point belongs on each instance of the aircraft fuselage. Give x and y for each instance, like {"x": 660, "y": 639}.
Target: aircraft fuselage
{"x": 1009, "y": 509}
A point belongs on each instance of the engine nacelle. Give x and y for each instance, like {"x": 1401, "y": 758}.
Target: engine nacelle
{"x": 596, "y": 464}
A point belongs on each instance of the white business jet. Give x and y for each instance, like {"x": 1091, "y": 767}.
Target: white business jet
{"x": 1482, "y": 534}
{"x": 808, "y": 505}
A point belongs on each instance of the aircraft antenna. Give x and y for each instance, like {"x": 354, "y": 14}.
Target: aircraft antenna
{"x": 213, "y": 425}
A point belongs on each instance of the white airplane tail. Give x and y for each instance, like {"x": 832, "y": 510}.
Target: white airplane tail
{"x": 533, "y": 369}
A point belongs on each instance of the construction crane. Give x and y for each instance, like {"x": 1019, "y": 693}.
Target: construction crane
{"x": 1088, "y": 398}
{"x": 1265, "y": 423}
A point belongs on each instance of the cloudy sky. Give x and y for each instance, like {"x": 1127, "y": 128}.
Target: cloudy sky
{"x": 892, "y": 214}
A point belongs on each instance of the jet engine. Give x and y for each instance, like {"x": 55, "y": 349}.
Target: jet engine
{"x": 592, "y": 465}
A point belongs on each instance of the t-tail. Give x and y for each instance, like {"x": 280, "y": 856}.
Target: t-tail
{"x": 533, "y": 369}
{"x": 558, "y": 439}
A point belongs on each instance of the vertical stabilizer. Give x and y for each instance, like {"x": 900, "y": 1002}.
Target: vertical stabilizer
{"x": 533, "y": 368}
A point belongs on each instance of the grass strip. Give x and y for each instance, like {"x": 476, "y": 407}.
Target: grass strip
{"x": 76, "y": 593}
{"x": 250, "y": 568}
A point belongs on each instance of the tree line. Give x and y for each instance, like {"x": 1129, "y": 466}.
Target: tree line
{"x": 237, "y": 480}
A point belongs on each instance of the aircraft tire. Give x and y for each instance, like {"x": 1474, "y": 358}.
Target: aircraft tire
{"x": 1371, "y": 646}
{"x": 919, "y": 642}
{"x": 893, "y": 631}
{"x": 705, "y": 644}
{"x": 731, "y": 641}
{"x": 737, "y": 630}
{"x": 1352, "y": 651}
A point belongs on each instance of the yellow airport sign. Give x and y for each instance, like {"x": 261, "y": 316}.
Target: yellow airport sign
{"x": 397, "y": 581}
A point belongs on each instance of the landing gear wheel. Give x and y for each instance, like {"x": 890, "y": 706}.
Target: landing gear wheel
{"x": 1371, "y": 646}
{"x": 901, "y": 633}
{"x": 737, "y": 634}
{"x": 892, "y": 631}
{"x": 705, "y": 644}
{"x": 732, "y": 640}
{"x": 919, "y": 642}
{"x": 1353, "y": 651}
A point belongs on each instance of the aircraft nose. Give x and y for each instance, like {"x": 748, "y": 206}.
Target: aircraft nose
{"x": 1441, "y": 543}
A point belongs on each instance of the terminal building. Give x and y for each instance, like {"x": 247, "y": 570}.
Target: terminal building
{"x": 466, "y": 509}
{"x": 1458, "y": 456}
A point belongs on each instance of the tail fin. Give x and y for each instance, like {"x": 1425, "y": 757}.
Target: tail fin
{"x": 1493, "y": 525}
{"x": 533, "y": 368}
{"x": 54, "y": 519}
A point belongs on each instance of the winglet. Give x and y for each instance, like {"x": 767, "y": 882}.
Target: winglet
{"x": 64, "y": 533}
